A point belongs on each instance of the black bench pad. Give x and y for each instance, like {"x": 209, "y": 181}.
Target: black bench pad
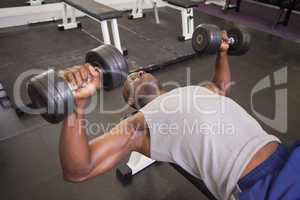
{"x": 95, "y": 9}
{"x": 184, "y": 3}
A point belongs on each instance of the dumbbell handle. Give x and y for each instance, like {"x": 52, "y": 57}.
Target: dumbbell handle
{"x": 231, "y": 41}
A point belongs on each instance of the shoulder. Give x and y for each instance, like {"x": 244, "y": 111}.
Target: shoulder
{"x": 136, "y": 127}
{"x": 133, "y": 122}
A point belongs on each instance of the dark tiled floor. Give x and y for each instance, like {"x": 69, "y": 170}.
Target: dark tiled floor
{"x": 30, "y": 170}
{"x": 29, "y": 162}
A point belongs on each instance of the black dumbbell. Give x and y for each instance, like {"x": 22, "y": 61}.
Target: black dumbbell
{"x": 207, "y": 39}
{"x": 51, "y": 92}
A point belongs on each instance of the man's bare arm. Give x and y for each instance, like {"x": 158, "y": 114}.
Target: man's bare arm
{"x": 222, "y": 75}
{"x": 81, "y": 159}
{"x": 221, "y": 80}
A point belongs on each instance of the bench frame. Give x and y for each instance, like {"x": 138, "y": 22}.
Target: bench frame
{"x": 187, "y": 17}
{"x": 35, "y": 2}
{"x": 187, "y": 22}
{"x": 71, "y": 23}
{"x": 137, "y": 162}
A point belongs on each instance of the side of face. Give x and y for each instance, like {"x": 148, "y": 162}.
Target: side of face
{"x": 139, "y": 88}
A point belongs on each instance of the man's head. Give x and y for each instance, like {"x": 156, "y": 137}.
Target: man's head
{"x": 140, "y": 88}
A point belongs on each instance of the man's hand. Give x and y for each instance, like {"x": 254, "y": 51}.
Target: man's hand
{"x": 225, "y": 42}
{"x": 85, "y": 81}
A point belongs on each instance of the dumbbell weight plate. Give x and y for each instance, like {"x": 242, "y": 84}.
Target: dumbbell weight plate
{"x": 37, "y": 98}
{"x": 112, "y": 62}
{"x": 206, "y": 39}
{"x": 242, "y": 40}
{"x": 122, "y": 64}
{"x": 66, "y": 94}
{"x": 101, "y": 57}
{"x": 114, "y": 66}
{"x": 57, "y": 110}
{"x": 38, "y": 93}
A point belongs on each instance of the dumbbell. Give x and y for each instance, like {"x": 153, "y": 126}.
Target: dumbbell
{"x": 207, "y": 38}
{"x": 52, "y": 92}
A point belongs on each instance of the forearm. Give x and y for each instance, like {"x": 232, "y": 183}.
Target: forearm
{"x": 82, "y": 159}
{"x": 74, "y": 147}
{"x": 222, "y": 75}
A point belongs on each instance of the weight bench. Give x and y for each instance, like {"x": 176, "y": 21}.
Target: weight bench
{"x": 138, "y": 162}
{"x": 184, "y": 6}
{"x": 97, "y": 11}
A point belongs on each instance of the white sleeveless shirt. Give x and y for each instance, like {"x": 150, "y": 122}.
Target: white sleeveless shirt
{"x": 208, "y": 135}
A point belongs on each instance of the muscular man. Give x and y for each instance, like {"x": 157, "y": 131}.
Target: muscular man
{"x": 198, "y": 128}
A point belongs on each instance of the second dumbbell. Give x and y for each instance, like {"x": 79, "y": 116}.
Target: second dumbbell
{"x": 207, "y": 38}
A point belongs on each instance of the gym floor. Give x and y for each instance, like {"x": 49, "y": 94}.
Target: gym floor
{"x": 29, "y": 164}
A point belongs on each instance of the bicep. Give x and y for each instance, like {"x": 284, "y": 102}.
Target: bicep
{"x": 108, "y": 150}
